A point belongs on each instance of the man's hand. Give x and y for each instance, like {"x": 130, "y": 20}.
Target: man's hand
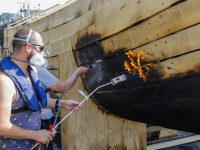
{"x": 43, "y": 136}
{"x": 82, "y": 70}
{"x": 69, "y": 104}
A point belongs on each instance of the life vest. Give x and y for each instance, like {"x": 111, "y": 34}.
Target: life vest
{"x": 31, "y": 98}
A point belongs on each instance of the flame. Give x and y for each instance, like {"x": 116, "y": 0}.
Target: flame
{"x": 139, "y": 63}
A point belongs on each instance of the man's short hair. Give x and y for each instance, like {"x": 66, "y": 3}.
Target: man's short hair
{"x": 23, "y": 34}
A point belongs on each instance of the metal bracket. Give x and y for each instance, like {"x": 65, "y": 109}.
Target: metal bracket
{"x": 84, "y": 94}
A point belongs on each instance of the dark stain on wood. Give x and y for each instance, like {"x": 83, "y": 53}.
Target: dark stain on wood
{"x": 93, "y": 52}
{"x": 86, "y": 38}
{"x": 179, "y": 115}
{"x": 156, "y": 101}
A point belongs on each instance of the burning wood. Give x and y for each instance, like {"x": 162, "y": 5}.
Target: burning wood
{"x": 139, "y": 63}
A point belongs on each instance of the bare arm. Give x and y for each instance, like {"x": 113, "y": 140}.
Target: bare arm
{"x": 7, "y": 129}
{"x": 66, "y": 104}
{"x": 60, "y": 86}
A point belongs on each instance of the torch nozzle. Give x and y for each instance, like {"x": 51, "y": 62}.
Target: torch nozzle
{"x": 89, "y": 67}
{"x": 118, "y": 79}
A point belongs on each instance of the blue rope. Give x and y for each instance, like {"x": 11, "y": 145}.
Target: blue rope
{"x": 56, "y": 117}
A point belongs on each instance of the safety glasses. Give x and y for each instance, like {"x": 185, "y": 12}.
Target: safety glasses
{"x": 33, "y": 45}
{"x": 41, "y": 46}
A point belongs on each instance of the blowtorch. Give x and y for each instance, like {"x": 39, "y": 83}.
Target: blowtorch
{"x": 114, "y": 81}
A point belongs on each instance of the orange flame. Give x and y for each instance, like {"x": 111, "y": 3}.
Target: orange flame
{"x": 139, "y": 63}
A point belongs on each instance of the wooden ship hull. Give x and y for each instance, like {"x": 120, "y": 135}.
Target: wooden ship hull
{"x": 155, "y": 43}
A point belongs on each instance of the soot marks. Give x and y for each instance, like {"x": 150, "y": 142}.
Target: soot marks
{"x": 84, "y": 40}
{"x": 186, "y": 74}
{"x": 95, "y": 51}
{"x": 165, "y": 92}
{"x": 90, "y": 54}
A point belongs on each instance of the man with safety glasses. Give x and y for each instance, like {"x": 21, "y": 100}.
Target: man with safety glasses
{"x": 22, "y": 94}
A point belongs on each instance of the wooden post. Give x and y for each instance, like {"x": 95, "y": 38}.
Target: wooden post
{"x": 163, "y": 133}
{"x": 90, "y": 128}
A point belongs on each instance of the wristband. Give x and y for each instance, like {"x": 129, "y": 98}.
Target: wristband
{"x": 56, "y": 105}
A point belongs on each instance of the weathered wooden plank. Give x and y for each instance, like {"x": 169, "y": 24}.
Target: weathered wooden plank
{"x": 11, "y": 31}
{"x": 51, "y": 11}
{"x": 120, "y": 21}
{"x": 163, "y": 134}
{"x": 25, "y": 19}
{"x": 172, "y": 69}
{"x": 165, "y": 23}
{"x": 104, "y": 13}
{"x": 97, "y": 13}
{"x": 74, "y": 9}
{"x": 158, "y": 93}
{"x": 109, "y": 131}
{"x": 56, "y": 73}
{"x": 154, "y": 128}
{"x": 175, "y": 142}
{"x": 45, "y": 13}
{"x": 179, "y": 115}
{"x": 53, "y": 63}
{"x": 66, "y": 12}
{"x": 167, "y": 47}
{"x": 101, "y": 11}
{"x": 64, "y": 138}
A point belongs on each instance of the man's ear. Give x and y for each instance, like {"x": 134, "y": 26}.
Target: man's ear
{"x": 28, "y": 48}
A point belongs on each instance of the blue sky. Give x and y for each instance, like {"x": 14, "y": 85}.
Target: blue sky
{"x": 12, "y": 6}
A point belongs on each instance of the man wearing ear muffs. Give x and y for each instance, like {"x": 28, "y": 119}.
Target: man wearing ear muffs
{"x": 22, "y": 94}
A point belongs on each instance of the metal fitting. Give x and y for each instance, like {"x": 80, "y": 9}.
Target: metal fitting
{"x": 118, "y": 79}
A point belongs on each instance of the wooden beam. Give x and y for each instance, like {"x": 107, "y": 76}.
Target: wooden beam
{"x": 69, "y": 11}
{"x": 103, "y": 22}
{"x": 59, "y": 15}
{"x": 154, "y": 128}
{"x": 120, "y": 21}
{"x": 163, "y": 134}
{"x": 174, "y": 142}
{"x": 15, "y": 28}
{"x": 176, "y": 44}
{"x": 183, "y": 66}
{"x": 23, "y": 20}
{"x": 42, "y": 15}
{"x": 165, "y": 23}
{"x": 147, "y": 94}
{"x": 99, "y": 12}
